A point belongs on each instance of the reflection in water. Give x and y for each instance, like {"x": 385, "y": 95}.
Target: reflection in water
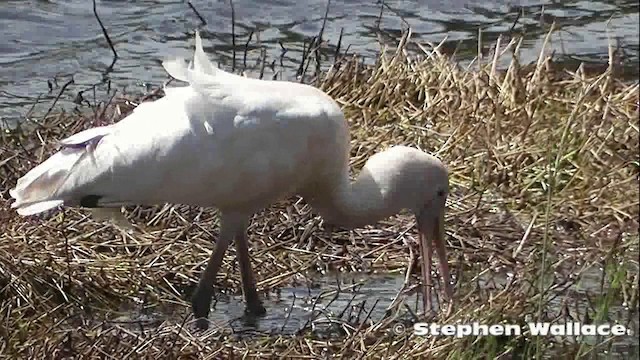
{"x": 42, "y": 40}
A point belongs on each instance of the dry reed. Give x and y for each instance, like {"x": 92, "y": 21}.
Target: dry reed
{"x": 544, "y": 169}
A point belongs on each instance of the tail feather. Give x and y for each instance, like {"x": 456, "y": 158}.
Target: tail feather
{"x": 37, "y": 191}
{"x": 39, "y": 207}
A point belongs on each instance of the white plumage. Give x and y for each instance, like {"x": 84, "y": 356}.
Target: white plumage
{"x": 238, "y": 144}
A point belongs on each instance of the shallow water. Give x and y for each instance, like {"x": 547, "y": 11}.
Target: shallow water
{"x": 358, "y": 294}
{"x": 342, "y": 296}
{"x": 43, "y": 41}
{"x": 338, "y": 299}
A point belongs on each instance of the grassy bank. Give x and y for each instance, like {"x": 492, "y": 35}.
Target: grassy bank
{"x": 542, "y": 224}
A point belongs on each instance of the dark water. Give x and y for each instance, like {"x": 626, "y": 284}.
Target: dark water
{"x": 47, "y": 40}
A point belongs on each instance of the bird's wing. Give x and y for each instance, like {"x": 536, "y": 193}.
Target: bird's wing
{"x": 115, "y": 163}
{"x": 224, "y": 139}
{"x": 86, "y": 136}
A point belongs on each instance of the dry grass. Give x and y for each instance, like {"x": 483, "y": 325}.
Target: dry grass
{"x": 544, "y": 169}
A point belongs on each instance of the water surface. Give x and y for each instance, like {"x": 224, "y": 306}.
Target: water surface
{"x": 45, "y": 42}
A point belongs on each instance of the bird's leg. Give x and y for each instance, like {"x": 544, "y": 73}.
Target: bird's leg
{"x": 254, "y": 305}
{"x": 201, "y": 299}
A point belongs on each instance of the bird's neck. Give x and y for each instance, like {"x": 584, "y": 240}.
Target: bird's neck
{"x": 353, "y": 204}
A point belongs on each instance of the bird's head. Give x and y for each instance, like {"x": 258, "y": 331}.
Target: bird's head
{"x": 411, "y": 179}
{"x": 407, "y": 178}
{"x": 396, "y": 179}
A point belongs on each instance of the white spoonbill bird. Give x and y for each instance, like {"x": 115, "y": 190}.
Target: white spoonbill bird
{"x": 239, "y": 144}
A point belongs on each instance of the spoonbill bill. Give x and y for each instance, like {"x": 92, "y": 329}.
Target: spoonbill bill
{"x": 240, "y": 144}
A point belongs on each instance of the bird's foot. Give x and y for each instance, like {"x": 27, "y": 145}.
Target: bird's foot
{"x": 201, "y": 305}
{"x": 255, "y": 309}
{"x": 202, "y": 323}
